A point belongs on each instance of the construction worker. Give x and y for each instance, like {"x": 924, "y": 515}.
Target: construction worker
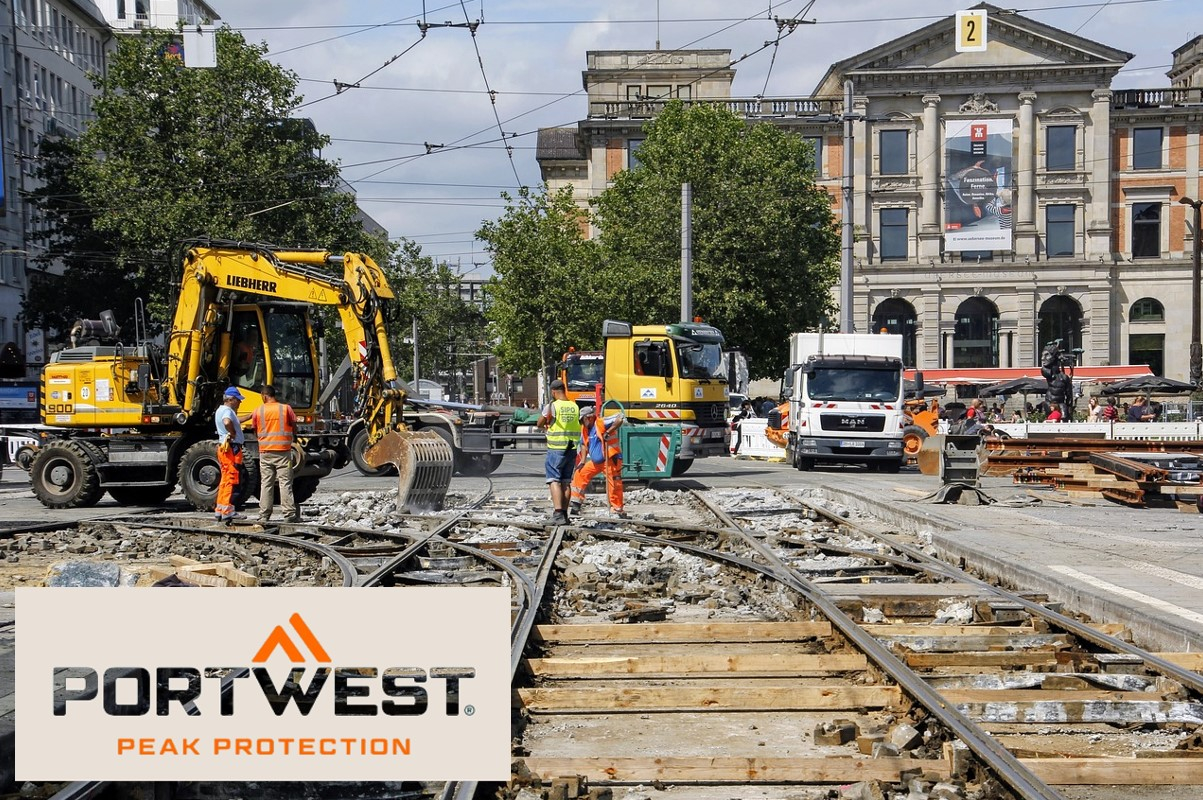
{"x": 275, "y": 426}
{"x": 563, "y": 425}
{"x": 599, "y": 451}
{"x": 229, "y": 454}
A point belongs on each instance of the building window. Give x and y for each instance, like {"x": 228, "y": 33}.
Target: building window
{"x": 1060, "y": 317}
{"x": 1146, "y": 309}
{"x": 1060, "y": 146}
{"x": 895, "y": 155}
{"x": 894, "y": 235}
{"x": 633, "y": 146}
{"x": 1146, "y": 230}
{"x": 898, "y": 316}
{"x": 660, "y": 93}
{"x": 1059, "y": 231}
{"x": 1146, "y": 148}
{"x": 975, "y": 338}
{"x": 817, "y": 143}
{"x": 685, "y": 92}
{"x": 1147, "y": 348}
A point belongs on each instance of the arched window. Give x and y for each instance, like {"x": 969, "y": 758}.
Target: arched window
{"x": 975, "y": 338}
{"x": 1146, "y": 309}
{"x": 1060, "y": 318}
{"x": 898, "y": 316}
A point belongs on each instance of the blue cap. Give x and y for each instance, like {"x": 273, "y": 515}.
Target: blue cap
{"x": 233, "y": 392}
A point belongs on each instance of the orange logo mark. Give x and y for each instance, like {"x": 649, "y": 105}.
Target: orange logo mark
{"x": 279, "y": 638}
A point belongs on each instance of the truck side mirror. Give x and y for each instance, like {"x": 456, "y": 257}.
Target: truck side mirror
{"x": 919, "y": 385}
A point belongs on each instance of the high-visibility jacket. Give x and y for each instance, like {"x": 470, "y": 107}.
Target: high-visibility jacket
{"x": 565, "y": 425}
{"x": 602, "y": 444}
{"x": 275, "y": 424}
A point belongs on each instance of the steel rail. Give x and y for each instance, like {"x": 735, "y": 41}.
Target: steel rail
{"x": 1008, "y": 768}
{"x": 1184, "y": 676}
{"x": 343, "y": 563}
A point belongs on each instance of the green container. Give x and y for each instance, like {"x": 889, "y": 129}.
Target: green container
{"x": 648, "y": 451}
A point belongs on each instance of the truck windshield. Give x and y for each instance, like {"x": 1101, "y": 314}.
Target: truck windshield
{"x": 584, "y": 374}
{"x": 842, "y": 383}
{"x": 700, "y": 360}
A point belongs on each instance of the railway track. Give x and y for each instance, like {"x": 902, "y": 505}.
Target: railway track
{"x": 761, "y": 645}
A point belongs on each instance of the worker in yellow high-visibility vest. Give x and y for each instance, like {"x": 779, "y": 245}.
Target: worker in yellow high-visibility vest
{"x": 562, "y": 422}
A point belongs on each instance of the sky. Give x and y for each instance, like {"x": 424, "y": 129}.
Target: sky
{"x": 429, "y": 153}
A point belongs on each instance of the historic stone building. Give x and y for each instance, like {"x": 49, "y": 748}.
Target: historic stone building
{"x": 1002, "y": 199}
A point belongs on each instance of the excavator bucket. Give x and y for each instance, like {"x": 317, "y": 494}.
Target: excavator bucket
{"x": 424, "y": 462}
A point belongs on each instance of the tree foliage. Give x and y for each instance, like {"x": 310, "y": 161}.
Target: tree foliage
{"x": 175, "y": 153}
{"x": 541, "y": 299}
{"x": 451, "y": 330}
{"x": 765, "y": 246}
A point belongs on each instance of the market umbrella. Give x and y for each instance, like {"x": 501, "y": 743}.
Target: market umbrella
{"x": 1149, "y": 385}
{"x": 1023, "y": 386}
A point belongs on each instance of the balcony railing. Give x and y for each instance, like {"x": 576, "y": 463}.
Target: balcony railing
{"x": 750, "y": 108}
{"x": 1156, "y": 98}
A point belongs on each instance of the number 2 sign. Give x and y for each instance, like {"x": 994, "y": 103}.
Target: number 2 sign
{"x": 971, "y": 31}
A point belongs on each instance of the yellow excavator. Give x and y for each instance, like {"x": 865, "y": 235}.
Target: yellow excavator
{"x": 136, "y": 420}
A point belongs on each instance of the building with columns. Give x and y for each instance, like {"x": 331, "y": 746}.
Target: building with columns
{"x": 1001, "y": 199}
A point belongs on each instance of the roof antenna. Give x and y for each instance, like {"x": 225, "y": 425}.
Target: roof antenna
{"x": 657, "y": 24}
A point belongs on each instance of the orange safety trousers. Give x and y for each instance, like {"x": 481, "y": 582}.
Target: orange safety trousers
{"x": 231, "y": 466}
{"x": 587, "y": 469}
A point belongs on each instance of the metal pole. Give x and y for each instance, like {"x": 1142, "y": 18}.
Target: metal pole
{"x": 1196, "y": 349}
{"x": 846, "y": 325}
{"x": 686, "y": 252}
{"x": 415, "y": 337}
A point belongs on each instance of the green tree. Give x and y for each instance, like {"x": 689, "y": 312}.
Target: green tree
{"x": 451, "y": 330}
{"x": 541, "y": 297}
{"x": 765, "y": 245}
{"x": 175, "y": 153}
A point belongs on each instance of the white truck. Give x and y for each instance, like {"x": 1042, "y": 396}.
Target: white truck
{"x": 846, "y": 394}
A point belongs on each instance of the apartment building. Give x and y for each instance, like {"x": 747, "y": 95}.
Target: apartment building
{"x": 1001, "y": 199}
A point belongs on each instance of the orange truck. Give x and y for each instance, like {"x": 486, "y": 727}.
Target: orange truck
{"x": 581, "y": 373}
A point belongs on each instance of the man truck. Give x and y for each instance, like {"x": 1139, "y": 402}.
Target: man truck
{"x": 846, "y": 396}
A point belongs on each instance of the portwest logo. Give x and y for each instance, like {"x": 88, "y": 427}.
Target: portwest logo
{"x": 254, "y": 284}
{"x": 329, "y": 692}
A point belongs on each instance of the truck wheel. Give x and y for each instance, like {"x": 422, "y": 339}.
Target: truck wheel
{"x": 681, "y": 466}
{"x": 478, "y": 466}
{"x": 140, "y": 495}
{"x": 358, "y": 445}
{"x": 303, "y": 488}
{"x": 24, "y": 456}
{"x": 912, "y": 439}
{"x": 200, "y": 474}
{"x": 64, "y": 475}
{"x": 803, "y": 463}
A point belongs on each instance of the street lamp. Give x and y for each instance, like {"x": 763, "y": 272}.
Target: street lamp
{"x": 1196, "y": 349}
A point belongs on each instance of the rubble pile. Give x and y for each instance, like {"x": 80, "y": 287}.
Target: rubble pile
{"x": 605, "y": 577}
{"x": 138, "y": 551}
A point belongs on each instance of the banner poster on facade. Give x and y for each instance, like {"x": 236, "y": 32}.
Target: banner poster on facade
{"x": 977, "y": 199}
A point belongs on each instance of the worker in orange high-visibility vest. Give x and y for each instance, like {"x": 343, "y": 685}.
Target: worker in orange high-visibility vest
{"x": 275, "y": 426}
{"x": 599, "y": 451}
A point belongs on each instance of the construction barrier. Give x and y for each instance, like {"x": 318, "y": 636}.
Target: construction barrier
{"x": 752, "y": 441}
{"x": 1159, "y": 431}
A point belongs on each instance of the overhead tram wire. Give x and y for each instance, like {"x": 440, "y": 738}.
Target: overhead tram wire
{"x": 509, "y": 151}
{"x": 456, "y": 143}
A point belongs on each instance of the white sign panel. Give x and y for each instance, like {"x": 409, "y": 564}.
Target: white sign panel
{"x": 263, "y": 684}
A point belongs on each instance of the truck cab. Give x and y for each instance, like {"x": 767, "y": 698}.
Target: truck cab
{"x": 846, "y": 400}
{"x": 671, "y": 373}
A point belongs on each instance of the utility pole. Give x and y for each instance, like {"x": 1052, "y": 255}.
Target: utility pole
{"x": 846, "y": 320}
{"x": 1196, "y": 349}
{"x": 686, "y": 252}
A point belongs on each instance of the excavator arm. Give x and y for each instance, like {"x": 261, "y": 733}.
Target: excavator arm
{"x": 357, "y": 288}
